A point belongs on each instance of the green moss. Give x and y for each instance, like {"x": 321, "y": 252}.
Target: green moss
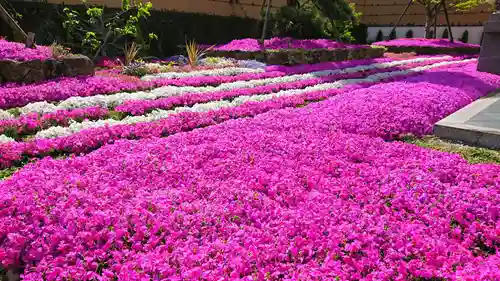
{"x": 5, "y": 173}
{"x": 469, "y": 153}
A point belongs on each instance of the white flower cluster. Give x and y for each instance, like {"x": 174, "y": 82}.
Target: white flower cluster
{"x": 227, "y": 71}
{"x": 203, "y": 107}
{"x": 4, "y": 115}
{"x": 251, "y": 64}
{"x": 114, "y": 100}
{"x": 5, "y": 139}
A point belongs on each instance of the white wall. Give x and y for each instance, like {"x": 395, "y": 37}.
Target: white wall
{"x": 475, "y": 32}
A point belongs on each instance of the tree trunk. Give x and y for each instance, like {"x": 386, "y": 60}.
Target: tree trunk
{"x": 428, "y": 22}
{"x": 16, "y": 29}
{"x": 264, "y": 28}
{"x": 497, "y": 6}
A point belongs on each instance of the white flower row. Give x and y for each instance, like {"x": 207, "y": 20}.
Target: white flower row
{"x": 114, "y": 100}
{"x": 227, "y": 71}
{"x": 203, "y": 107}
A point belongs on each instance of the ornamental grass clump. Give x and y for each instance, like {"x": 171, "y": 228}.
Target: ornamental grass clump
{"x": 195, "y": 52}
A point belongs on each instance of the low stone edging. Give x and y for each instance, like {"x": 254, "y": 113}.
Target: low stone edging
{"x": 420, "y": 50}
{"x": 41, "y": 70}
{"x": 301, "y": 56}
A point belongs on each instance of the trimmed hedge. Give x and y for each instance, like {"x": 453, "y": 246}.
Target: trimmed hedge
{"x": 301, "y": 56}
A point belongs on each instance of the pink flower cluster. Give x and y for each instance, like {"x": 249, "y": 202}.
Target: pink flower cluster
{"x": 277, "y": 197}
{"x": 284, "y": 43}
{"x": 411, "y": 106}
{"x": 422, "y": 42}
{"x": 17, "y": 51}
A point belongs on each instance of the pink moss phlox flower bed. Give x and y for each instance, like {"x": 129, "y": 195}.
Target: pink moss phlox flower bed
{"x": 17, "y": 51}
{"x": 411, "y": 106}
{"x": 251, "y": 45}
{"x": 422, "y": 42}
{"x": 277, "y": 197}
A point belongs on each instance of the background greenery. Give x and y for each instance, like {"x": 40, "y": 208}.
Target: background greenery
{"x": 173, "y": 28}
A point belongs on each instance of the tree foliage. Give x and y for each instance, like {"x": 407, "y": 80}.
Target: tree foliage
{"x": 433, "y": 8}
{"x": 317, "y": 19}
{"x": 96, "y": 33}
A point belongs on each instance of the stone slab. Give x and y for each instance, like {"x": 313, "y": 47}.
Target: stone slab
{"x": 476, "y": 124}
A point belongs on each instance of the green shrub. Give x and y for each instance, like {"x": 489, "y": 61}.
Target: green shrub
{"x": 445, "y": 34}
{"x": 409, "y": 33}
{"x": 316, "y": 19}
{"x": 98, "y": 33}
{"x": 392, "y": 35}
{"x": 465, "y": 36}
{"x": 380, "y": 35}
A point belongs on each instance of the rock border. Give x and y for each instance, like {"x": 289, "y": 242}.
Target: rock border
{"x": 40, "y": 70}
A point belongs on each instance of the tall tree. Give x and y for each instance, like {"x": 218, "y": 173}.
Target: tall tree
{"x": 434, "y": 7}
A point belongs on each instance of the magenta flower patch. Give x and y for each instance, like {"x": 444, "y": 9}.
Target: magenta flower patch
{"x": 422, "y": 42}
{"x": 17, "y": 51}
{"x": 284, "y": 43}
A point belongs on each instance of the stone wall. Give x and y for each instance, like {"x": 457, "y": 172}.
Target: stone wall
{"x": 38, "y": 70}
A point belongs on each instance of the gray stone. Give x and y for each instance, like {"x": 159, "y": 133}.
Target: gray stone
{"x": 476, "y": 124}
{"x": 38, "y": 70}
{"x": 489, "y": 58}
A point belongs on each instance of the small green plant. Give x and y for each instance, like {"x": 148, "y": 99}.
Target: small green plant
{"x": 380, "y": 35}
{"x": 392, "y": 35}
{"x": 59, "y": 50}
{"x": 409, "y": 33}
{"x": 195, "y": 53}
{"x": 465, "y": 36}
{"x": 445, "y": 34}
{"x": 130, "y": 52}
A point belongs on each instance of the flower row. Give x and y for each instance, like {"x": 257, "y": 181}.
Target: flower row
{"x": 227, "y": 71}
{"x": 32, "y": 123}
{"x": 113, "y": 100}
{"x": 236, "y": 101}
{"x": 63, "y": 88}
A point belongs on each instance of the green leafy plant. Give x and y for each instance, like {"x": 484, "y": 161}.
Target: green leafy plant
{"x": 316, "y": 19}
{"x": 97, "y": 33}
{"x": 465, "y": 36}
{"x": 445, "y": 34}
{"x": 195, "y": 53}
{"x": 392, "y": 35}
{"x": 380, "y": 35}
{"x": 409, "y": 33}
